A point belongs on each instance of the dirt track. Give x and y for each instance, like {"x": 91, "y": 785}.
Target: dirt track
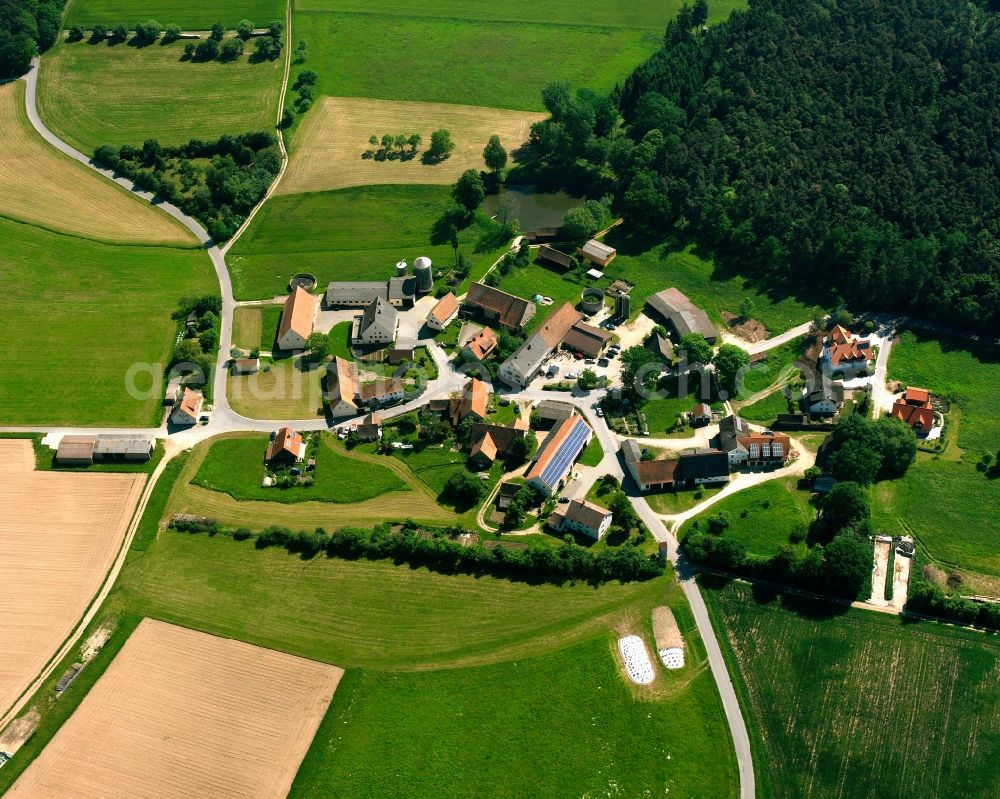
{"x": 184, "y": 715}
{"x": 327, "y": 150}
{"x": 59, "y": 533}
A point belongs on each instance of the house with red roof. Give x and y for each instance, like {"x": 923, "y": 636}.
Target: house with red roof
{"x": 914, "y": 408}
{"x": 846, "y": 353}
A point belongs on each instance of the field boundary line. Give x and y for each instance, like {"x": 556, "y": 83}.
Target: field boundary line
{"x": 96, "y": 603}
{"x": 281, "y": 136}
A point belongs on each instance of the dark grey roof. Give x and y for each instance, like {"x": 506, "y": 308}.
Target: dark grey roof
{"x": 631, "y": 451}
{"x": 402, "y": 288}
{"x": 704, "y": 465}
{"x": 730, "y": 429}
{"x": 683, "y": 314}
{"x": 123, "y": 444}
{"x": 828, "y": 390}
{"x": 660, "y": 345}
{"x": 356, "y": 292}
{"x": 553, "y": 409}
{"x": 381, "y": 315}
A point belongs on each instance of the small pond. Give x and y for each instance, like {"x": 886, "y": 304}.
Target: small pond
{"x": 534, "y": 210}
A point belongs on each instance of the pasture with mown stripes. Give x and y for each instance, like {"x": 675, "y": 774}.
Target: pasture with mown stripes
{"x": 853, "y": 704}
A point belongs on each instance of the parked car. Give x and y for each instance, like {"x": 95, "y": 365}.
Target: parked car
{"x": 603, "y": 362}
{"x": 590, "y": 360}
{"x": 563, "y": 500}
{"x": 600, "y": 412}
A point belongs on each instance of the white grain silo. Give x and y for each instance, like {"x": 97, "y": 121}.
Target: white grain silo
{"x": 423, "y": 270}
{"x": 400, "y": 268}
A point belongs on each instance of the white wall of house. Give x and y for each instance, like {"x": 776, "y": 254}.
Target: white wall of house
{"x": 571, "y": 524}
{"x": 291, "y": 341}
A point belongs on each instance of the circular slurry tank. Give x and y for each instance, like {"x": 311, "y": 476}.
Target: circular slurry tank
{"x": 592, "y": 300}
{"x": 303, "y": 280}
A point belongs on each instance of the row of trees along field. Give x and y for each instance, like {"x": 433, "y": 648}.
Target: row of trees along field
{"x": 845, "y": 144}
{"x": 27, "y": 27}
{"x": 217, "y": 181}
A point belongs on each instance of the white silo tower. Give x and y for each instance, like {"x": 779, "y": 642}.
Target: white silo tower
{"x": 400, "y": 268}
{"x": 423, "y": 270}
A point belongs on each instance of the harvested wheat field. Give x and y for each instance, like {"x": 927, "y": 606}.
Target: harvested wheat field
{"x": 40, "y": 185}
{"x": 327, "y": 150}
{"x": 59, "y": 534}
{"x": 181, "y": 714}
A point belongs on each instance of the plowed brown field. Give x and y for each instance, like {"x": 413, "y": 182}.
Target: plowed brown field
{"x": 59, "y": 533}
{"x": 327, "y": 150}
{"x": 184, "y": 715}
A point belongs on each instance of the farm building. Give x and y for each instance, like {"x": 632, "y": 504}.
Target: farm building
{"x": 682, "y": 315}
{"x": 526, "y": 361}
{"x": 442, "y": 314}
{"x": 703, "y": 466}
{"x": 370, "y": 428}
{"x": 341, "y": 388}
{"x": 553, "y": 256}
{"x": 76, "y": 450}
{"x": 656, "y": 475}
{"x": 286, "y": 449}
{"x": 173, "y": 390}
{"x": 297, "y": 320}
{"x": 472, "y": 401}
{"x": 701, "y": 415}
{"x": 587, "y": 339}
{"x": 246, "y": 366}
{"x": 498, "y": 306}
{"x": 490, "y": 441}
{"x": 581, "y": 516}
{"x": 380, "y": 393}
{"x": 117, "y": 447}
{"x": 399, "y": 292}
{"x": 480, "y": 345}
{"x": 188, "y": 407}
{"x": 552, "y": 412}
{"x": 377, "y": 325}
{"x": 827, "y": 399}
{"x": 557, "y": 454}
{"x": 744, "y": 447}
{"x": 660, "y": 346}
{"x": 598, "y": 253}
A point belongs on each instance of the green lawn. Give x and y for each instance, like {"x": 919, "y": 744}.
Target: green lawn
{"x": 189, "y": 14}
{"x": 349, "y": 234}
{"x": 778, "y": 365}
{"x": 669, "y": 502}
{"x": 853, "y": 704}
{"x": 966, "y": 370}
{"x": 534, "y": 280}
{"x": 570, "y": 713}
{"x": 766, "y": 410}
{"x": 593, "y": 454}
{"x": 433, "y": 465}
{"x": 681, "y": 395}
{"x": 80, "y": 316}
{"x": 952, "y": 509}
{"x": 235, "y": 466}
{"x": 340, "y": 341}
{"x": 654, "y": 266}
{"x": 94, "y": 94}
{"x": 762, "y": 517}
{"x": 430, "y": 59}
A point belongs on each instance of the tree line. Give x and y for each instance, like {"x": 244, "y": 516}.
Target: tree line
{"x": 435, "y": 550}
{"x": 843, "y": 146}
{"x": 217, "y": 181}
{"x": 27, "y": 28}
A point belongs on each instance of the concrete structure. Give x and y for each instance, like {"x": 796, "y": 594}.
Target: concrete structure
{"x": 286, "y": 449}
{"x": 442, "y": 314}
{"x": 581, "y": 516}
{"x": 498, "y": 306}
{"x": 424, "y": 273}
{"x": 377, "y": 326}
{"x": 592, "y": 300}
{"x": 623, "y": 306}
{"x": 526, "y": 361}
{"x": 557, "y": 454}
{"x": 682, "y": 315}
{"x": 297, "y": 320}
{"x": 188, "y": 407}
{"x": 342, "y": 388}
{"x": 597, "y": 253}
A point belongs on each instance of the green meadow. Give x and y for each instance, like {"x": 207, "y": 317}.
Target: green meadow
{"x": 79, "y": 315}
{"x": 348, "y": 234}
{"x": 104, "y": 93}
{"x": 850, "y": 704}
{"x": 189, "y": 14}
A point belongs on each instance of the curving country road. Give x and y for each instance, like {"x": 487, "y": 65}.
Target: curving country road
{"x": 224, "y": 419}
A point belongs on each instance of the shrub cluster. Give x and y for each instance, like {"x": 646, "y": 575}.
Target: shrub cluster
{"x": 925, "y": 597}
{"x": 27, "y": 27}
{"x": 220, "y": 194}
{"x": 435, "y": 551}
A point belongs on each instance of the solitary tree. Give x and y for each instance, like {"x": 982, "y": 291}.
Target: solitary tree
{"x": 469, "y": 191}
{"x": 697, "y": 348}
{"x": 729, "y": 360}
{"x": 218, "y": 31}
{"x": 75, "y": 33}
{"x": 441, "y": 145}
{"x": 319, "y": 346}
{"x": 244, "y": 28}
{"x": 495, "y": 155}
{"x": 746, "y": 308}
{"x": 587, "y": 380}
{"x": 579, "y": 224}
{"x": 414, "y": 141}
{"x": 99, "y": 32}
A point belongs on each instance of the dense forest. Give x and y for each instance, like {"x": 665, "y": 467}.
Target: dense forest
{"x": 26, "y": 28}
{"x": 852, "y": 143}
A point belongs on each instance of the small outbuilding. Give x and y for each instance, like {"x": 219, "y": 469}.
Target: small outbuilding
{"x": 556, "y": 257}
{"x": 598, "y": 253}
{"x": 76, "y": 450}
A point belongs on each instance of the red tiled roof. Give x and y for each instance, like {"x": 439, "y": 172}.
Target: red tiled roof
{"x": 916, "y": 416}
{"x": 445, "y": 308}
{"x": 916, "y": 396}
{"x": 286, "y": 440}
{"x": 840, "y": 335}
{"x": 558, "y": 325}
{"x": 300, "y": 308}
{"x": 482, "y": 344}
{"x": 656, "y": 472}
{"x": 485, "y": 446}
{"x": 851, "y": 351}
